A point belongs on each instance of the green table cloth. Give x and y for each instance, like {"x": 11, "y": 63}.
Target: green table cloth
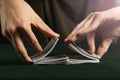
{"x": 13, "y": 68}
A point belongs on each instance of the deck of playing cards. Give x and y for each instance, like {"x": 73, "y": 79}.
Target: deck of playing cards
{"x": 82, "y": 56}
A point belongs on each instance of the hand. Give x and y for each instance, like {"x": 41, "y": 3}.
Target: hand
{"x": 105, "y": 23}
{"x": 16, "y": 19}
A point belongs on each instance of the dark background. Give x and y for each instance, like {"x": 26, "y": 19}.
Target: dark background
{"x": 12, "y": 67}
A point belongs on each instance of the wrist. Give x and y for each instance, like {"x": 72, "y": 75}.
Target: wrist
{"x": 112, "y": 13}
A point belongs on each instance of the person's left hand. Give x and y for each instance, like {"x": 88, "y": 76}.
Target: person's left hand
{"x": 105, "y": 23}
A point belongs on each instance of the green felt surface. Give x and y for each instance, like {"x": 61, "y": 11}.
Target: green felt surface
{"x": 13, "y": 68}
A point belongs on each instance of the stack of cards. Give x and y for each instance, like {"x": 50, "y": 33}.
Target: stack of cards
{"x": 42, "y": 58}
{"x": 87, "y": 56}
{"x": 64, "y": 59}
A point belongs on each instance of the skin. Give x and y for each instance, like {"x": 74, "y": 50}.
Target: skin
{"x": 17, "y": 17}
{"x": 16, "y": 20}
{"x": 93, "y": 24}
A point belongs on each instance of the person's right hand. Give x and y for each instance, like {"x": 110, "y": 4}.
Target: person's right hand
{"x": 16, "y": 19}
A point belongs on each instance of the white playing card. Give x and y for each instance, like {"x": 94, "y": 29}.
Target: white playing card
{"x": 46, "y": 51}
{"x": 79, "y": 50}
{"x": 53, "y": 60}
{"x": 64, "y": 59}
{"x": 79, "y": 61}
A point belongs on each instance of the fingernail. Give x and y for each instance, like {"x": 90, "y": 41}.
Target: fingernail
{"x": 65, "y": 40}
{"x": 57, "y": 35}
{"x": 99, "y": 56}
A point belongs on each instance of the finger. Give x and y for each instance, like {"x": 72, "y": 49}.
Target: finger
{"x": 83, "y": 29}
{"x": 18, "y": 44}
{"x": 103, "y": 48}
{"x": 77, "y": 28}
{"x": 44, "y": 28}
{"x": 92, "y": 24}
{"x": 31, "y": 38}
{"x": 91, "y": 42}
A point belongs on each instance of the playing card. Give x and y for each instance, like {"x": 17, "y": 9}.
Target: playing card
{"x": 46, "y": 50}
{"x": 81, "y": 51}
{"x": 64, "y": 59}
{"x": 58, "y": 59}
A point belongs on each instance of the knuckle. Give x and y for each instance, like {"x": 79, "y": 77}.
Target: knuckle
{"x": 96, "y": 14}
{"x": 92, "y": 13}
{"x": 22, "y": 25}
{"x": 79, "y": 35}
{"x": 34, "y": 42}
{"x": 11, "y": 29}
